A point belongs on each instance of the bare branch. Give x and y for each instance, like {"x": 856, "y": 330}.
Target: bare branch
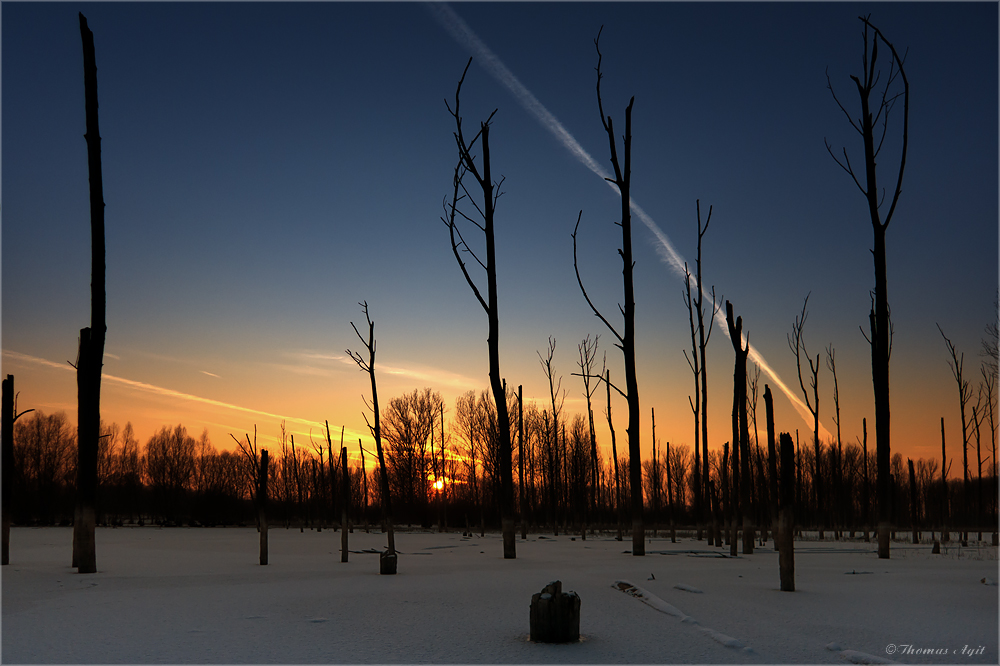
{"x": 579, "y": 281}
{"x": 829, "y": 86}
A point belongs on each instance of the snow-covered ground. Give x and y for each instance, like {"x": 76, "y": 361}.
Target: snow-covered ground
{"x": 186, "y": 595}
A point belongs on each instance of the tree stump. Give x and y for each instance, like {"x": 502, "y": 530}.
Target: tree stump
{"x": 555, "y": 615}
{"x": 387, "y": 563}
{"x": 936, "y": 549}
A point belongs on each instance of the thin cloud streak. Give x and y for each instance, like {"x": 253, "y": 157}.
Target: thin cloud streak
{"x": 431, "y": 375}
{"x": 463, "y": 34}
{"x": 159, "y": 390}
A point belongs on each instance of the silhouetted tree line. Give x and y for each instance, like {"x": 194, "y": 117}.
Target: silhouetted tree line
{"x": 448, "y": 472}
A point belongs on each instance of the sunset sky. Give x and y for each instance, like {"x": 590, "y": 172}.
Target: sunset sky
{"x": 268, "y": 166}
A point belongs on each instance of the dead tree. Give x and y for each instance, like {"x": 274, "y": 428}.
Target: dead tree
{"x": 786, "y": 516}
{"x": 345, "y": 503}
{"x": 695, "y": 403}
{"x": 945, "y": 468}
{"x": 990, "y": 370}
{"x": 878, "y": 318}
{"x": 364, "y": 487}
{"x": 704, "y": 335}
{"x": 865, "y": 495}
{"x": 588, "y": 353}
{"x": 262, "y": 506}
{"x": 798, "y": 346}
{"x": 626, "y": 340}
{"x": 837, "y": 466}
{"x": 387, "y": 561}
{"x": 772, "y": 464}
{"x": 485, "y": 210}
{"x": 553, "y": 436}
{"x": 914, "y": 516}
{"x": 520, "y": 462}
{"x": 964, "y": 395}
{"x": 8, "y": 417}
{"x": 614, "y": 456}
{"x": 91, "y": 359}
{"x": 741, "y": 430}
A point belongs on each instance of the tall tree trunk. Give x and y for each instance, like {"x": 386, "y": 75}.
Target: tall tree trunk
{"x": 92, "y": 339}
{"x": 945, "y": 536}
{"x": 7, "y": 464}
{"x": 879, "y": 323}
{"x": 786, "y": 516}
{"x": 387, "y": 562}
{"x": 741, "y": 431}
{"x": 772, "y": 464}
{"x": 520, "y": 460}
{"x": 489, "y": 304}
{"x": 345, "y": 503}
{"x": 914, "y": 515}
{"x": 262, "y": 506}
{"x": 614, "y": 455}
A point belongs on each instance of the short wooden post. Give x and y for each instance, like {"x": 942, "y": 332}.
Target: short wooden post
{"x": 555, "y": 616}
{"x": 262, "y": 505}
{"x": 786, "y": 515}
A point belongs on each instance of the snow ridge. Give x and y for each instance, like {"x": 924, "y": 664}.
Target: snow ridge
{"x": 659, "y": 604}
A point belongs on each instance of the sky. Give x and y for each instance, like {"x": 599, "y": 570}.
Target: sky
{"x": 269, "y": 166}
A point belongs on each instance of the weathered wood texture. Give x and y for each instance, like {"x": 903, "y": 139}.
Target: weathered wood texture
{"x": 555, "y": 615}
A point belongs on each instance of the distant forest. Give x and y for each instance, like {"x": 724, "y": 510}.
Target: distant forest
{"x": 445, "y": 475}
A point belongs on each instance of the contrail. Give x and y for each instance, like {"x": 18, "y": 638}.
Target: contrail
{"x": 159, "y": 390}
{"x": 463, "y": 34}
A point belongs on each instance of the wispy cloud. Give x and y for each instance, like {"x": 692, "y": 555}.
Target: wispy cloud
{"x": 310, "y": 362}
{"x": 166, "y": 392}
{"x": 210, "y": 374}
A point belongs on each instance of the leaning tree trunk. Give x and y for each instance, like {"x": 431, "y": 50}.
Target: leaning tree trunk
{"x": 92, "y": 339}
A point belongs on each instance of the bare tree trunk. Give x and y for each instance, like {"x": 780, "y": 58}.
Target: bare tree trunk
{"x": 772, "y": 464}
{"x": 879, "y": 322}
{"x": 262, "y": 506}
{"x": 92, "y": 339}
{"x": 345, "y": 503}
{"x": 741, "y": 432}
{"x": 387, "y": 561}
{"x": 364, "y": 486}
{"x": 914, "y": 515}
{"x": 727, "y": 504}
{"x": 466, "y": 164}
{"x": 7, "y": 464}
{"x": 703, "y": 339}
{"x": 945, "y": 535}
{"x": 626, "y": 340}
{"x": 786, "y": 516}
{"x": 520, "y": 461}
{"x": 614, "y": 455}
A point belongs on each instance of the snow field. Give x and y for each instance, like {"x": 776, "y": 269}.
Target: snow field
{"x": 197, "y": 595}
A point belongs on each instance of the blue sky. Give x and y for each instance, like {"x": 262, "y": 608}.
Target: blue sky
{"x": 267, "y": 166}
